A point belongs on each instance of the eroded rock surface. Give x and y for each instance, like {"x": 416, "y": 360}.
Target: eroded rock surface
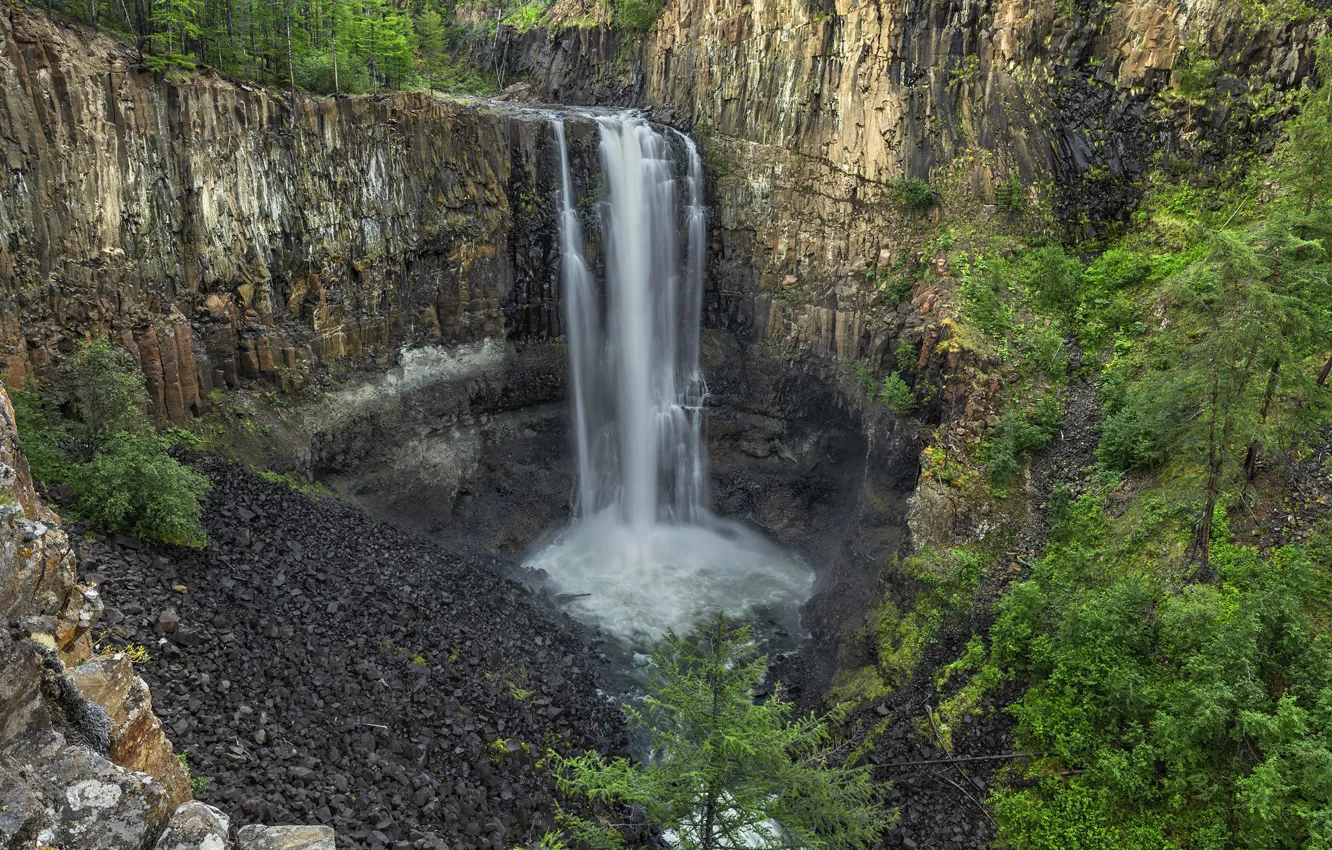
{"x": 195, "y": 826}
{"x": 285, "y": 838}
{"x": 226, "y": 235}
{"x": 84, "y": 761}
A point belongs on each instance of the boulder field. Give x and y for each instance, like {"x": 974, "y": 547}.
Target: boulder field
{"x": 319, "y": 666}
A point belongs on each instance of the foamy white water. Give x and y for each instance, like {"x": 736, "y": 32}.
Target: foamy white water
{"x": 645, "y": 547}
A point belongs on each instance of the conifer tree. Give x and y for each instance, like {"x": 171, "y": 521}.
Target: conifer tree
{"x": 730, "y": 772}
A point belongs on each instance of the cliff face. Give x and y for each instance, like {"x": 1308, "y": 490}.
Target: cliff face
{"x": 812, "y": 110}
{"x": 225, "y": 233}
{"x": 83, "y": 759}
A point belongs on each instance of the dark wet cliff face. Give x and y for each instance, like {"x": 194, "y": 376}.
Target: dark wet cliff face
{"x": 810, "y": 112}
{"x": 229, "y": 235}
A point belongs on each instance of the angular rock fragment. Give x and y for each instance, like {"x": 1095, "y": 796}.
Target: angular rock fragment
{"x": 256, "y": 837}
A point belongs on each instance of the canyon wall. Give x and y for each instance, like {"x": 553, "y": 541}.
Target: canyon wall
{"x": 227, "y": 233}
{"x": 811, "y": 110}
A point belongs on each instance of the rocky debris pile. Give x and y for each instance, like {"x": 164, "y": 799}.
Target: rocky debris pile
{"x": 940, "y": 791}
{"x": 59, "y": 784}
{"x": 84, "y": 762}
{"x": 319, "y": 666}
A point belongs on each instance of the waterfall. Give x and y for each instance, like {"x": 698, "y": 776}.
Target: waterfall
{"x": 645, "y": 549}
{"x": 583, "y": 328}
{"x": 638, "y": 392}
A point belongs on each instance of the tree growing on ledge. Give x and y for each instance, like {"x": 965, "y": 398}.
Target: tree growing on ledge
{"x": 730, "y": 772}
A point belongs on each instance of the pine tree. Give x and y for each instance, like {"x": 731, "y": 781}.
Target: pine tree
{"x": 1240, "y": 317}
{"x": 729, "y": 771}
{"x": 432, "y": 44}
{"x": 1305, "y": 161}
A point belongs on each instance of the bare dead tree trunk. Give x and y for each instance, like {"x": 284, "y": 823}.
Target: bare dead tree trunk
{"x": 291, "y": 62}
{"x": 1251, "y": 461}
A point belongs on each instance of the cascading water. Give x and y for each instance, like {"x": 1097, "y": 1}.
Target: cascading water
{"x": 645, "y": 548}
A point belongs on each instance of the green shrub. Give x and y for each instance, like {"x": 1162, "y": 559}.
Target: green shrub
{"x": 897, "y": 395}
{"x": 864, "y": 377}
{"x": 982, "y": 283}
{"x": 1194, "y": 73}
{"x": 41, "y": 432}
{"x": 1142, "y": 423}
{"x": 906, "y": 357}
{"x": 1047, "y": 350}
{"x": 1014, "y": 438}
{"x": 1116, "y": 270}
{"x": 133, "y": 485}
{"x": 314, "y": 73}
{"x": 637, "y": 15}
{"x": 1055, "y": 278}
{"x": 120, "y": 472}
{"x": 108, "y": 388}
{"x": 526, "y": 16}
{"x": 1105, "y": 308}
{"x": 461, "y": 78}
{"x": 915, "y": 194}
{"x": 1011, "y": 196}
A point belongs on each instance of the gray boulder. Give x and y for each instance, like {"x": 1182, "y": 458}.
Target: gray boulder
{"x": 195, "y": 826}
{"x": 255, "y": 837}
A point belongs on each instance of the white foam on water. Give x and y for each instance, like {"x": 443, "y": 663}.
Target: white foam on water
{"x": 642, "y": 581}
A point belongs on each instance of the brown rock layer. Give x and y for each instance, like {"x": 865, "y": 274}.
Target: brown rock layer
{"x": 225, "y": 233}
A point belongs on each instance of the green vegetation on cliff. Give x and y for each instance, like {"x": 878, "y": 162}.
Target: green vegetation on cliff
{"x": 1171, "y": 643}
{"x": 1172, "y": 712}
{"x": 320, "y": 46}
{"x": 118, "y": 471}
{"x": 336, "y": 46}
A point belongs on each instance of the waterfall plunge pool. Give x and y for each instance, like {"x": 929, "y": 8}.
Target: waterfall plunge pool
{"x": 641, "y": 581}
{"x": 645, "y": 554}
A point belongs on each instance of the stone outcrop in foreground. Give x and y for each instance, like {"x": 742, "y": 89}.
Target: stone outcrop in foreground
{"x": 84, "y": 762}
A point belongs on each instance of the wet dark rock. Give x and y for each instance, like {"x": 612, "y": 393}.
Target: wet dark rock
{"x": 370, "y": 689}
{"x": 167, "y": 622}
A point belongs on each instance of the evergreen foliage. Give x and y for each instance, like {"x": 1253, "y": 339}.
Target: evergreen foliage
{"x": 1191, "y": 716}
{"x": 329, "y": 46}
{"x": 1014, "y": 438}
{"x": 1177, "y": 684}
{"x": 897, "y": 395}
{"x": 729, "y": 772}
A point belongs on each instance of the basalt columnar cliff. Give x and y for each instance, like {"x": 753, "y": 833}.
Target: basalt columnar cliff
{"x": 815, "y": 110}
{"x": 175, "y": 216}
{"x": 230, "y": 233}
{"x": 366, "y": 291}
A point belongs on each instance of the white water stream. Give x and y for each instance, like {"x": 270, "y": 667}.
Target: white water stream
{"x": 645, "y": 547}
